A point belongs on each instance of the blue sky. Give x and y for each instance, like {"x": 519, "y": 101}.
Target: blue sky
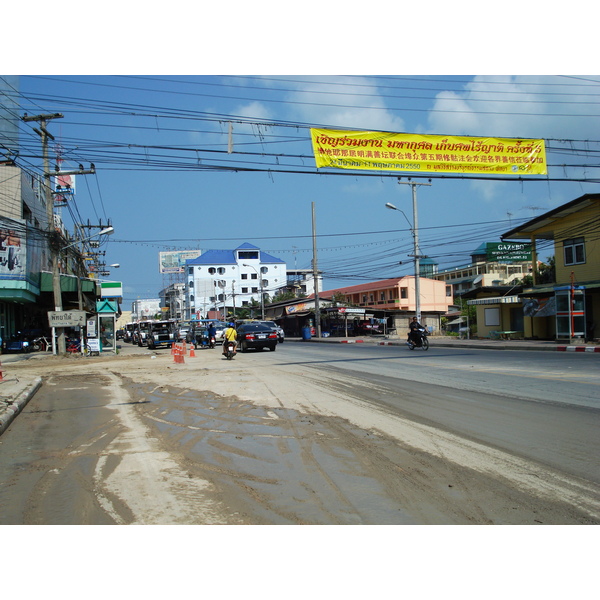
{"x": 152, "y": 138}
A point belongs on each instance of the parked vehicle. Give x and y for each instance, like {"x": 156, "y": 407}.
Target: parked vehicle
{"x": 368, "y": 327}
{"x": 128, "y": 332}
{"x": 18, "y": 343}
{"x": 256, "y": 336}
{"x": 277, "y": 328}
{"x": 141, "y": 332}
{"x": 418, "y": 339}
{"x": 160, "y": 333}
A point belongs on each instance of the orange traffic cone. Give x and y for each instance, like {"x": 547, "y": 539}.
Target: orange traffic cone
{"x": 192, "y": 352}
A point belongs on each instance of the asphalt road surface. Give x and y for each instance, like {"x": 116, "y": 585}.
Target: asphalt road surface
{"x": 309, "y": 434}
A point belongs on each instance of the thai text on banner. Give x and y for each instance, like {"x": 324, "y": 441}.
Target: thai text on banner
{"x": 374, "y": 150}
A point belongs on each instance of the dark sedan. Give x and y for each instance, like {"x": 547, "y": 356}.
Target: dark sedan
{"x": 256, "y": 335}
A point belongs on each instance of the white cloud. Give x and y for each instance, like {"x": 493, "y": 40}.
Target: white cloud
{"x": 340, "y": 101}
{"x": 519, "y": 106}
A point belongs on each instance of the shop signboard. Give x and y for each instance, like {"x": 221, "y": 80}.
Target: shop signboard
{"x": 66, "y": 318}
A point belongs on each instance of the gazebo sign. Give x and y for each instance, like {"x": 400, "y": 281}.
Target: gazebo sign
{"x": 508, "y": 252}
{"x": 66, "y": 318}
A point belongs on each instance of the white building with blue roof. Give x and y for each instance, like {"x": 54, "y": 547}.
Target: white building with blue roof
{"x": 226, "y": 279}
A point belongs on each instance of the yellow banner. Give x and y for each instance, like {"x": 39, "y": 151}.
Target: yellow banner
{"x": 379, "y": 151}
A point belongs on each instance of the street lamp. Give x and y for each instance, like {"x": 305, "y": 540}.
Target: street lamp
{"x": 107, "y": 231}
{"x": 415, "y": 234}
{"x": 62, "y": 346}
{"x": 262, "y": 297}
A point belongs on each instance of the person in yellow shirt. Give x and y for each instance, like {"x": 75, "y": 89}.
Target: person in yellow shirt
{"x": 230, "y": 335}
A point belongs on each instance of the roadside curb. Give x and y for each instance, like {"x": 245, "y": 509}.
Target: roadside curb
{"x": 578, "y": 348}
{"x": 9, "y": 409}
{"x": 531, "y": 346}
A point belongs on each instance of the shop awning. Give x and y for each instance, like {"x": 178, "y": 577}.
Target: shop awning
{"x": 497, "y": 300}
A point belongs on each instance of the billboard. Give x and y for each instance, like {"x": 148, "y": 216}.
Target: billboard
{"x": 404, "y": 152}
{"x": 505, "y": 252}
{"x": 174, "y": 262}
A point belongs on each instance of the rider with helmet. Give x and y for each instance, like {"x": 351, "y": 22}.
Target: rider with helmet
{"x": 230, "y": 335}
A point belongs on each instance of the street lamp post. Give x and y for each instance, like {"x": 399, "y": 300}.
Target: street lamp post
{"x": 262, "y": 297}
{"x": 415, "y": 234}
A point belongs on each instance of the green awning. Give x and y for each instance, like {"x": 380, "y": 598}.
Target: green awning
{"x": 68, "y": 283}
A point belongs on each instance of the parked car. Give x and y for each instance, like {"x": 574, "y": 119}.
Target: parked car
{"x": 277, "y": 328}
{"x": 256, "y": 336}
{"x": 368, "y": 327}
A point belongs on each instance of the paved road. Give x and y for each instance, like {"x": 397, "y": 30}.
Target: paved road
{"x": 312, "y": 433}
{"x": 540, "y": 405}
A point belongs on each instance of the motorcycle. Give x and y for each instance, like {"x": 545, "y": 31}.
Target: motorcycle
{"x": 18, "y": 343}
{"x": 229, "y": 350}
{"x": 420, "y": 339}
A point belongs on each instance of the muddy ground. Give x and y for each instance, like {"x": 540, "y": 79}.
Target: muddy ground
{"x": 255, "y": 441}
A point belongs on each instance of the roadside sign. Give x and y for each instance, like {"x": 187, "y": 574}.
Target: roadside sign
{"x": 66, "y": 318}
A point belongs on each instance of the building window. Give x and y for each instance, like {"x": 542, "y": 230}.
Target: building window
{"x": 248, "y": 255}
{"x": 221, "y": 270}
{"x": 449, "y": 291}
{"x": 253, "y": 276}
{"x": 244, "y": 290}
{"x": 244, "y": 275}
{"x": 264, "y": 269}
{"x": 404, "y": 292}
{"x": 212, "y": 270}
{"x": 574, "y": 251}
{"x": 254, "y": 290}
{"x": 191, "y": 270}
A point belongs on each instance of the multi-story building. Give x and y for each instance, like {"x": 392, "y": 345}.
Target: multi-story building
{"x": 223, "y": 280}
{"x": 24, "y": 251}
{"x": 145, "y": 309}
{"x": 570, "y": 307}
{"x": 492, "y": 264}
{"x": 173, "y": 298}
{"x": 398, "y": 295}
{"x": 302, "y": 281}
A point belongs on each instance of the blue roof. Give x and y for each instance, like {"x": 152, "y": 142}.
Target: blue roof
{"x": 228, "y": 257}
{"x": 214, "y": 257}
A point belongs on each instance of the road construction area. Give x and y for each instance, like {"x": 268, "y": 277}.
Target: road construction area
{"x": 280, "y": 437}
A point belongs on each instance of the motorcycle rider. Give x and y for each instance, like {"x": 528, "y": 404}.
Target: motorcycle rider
{"x": 212, "y": 335}
{"x": 414, "y": 335}
{"x": 230, "y": 335}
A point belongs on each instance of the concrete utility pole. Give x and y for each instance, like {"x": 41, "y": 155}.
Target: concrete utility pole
{"x": 54, "y": 250}
{"x": 316, "y": 274}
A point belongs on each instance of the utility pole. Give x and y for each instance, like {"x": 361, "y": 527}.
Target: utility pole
{"x": 54, "y": 249}
{"x": 53, "y": 239}
{"x": 316, "y": 274}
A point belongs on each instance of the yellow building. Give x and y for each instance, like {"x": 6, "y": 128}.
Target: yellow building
{"x": 568, "y": 309}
